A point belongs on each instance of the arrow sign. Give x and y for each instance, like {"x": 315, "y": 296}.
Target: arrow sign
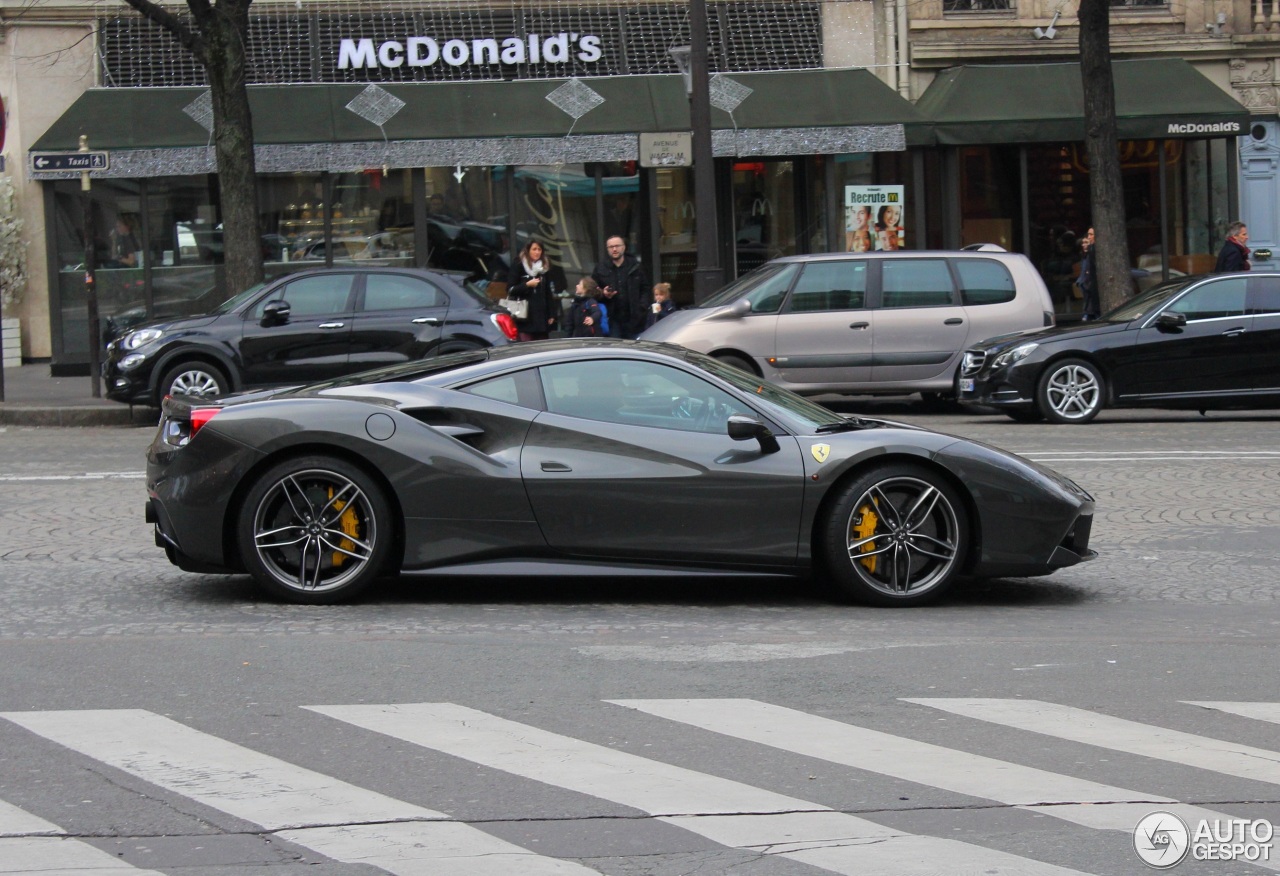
{"x": 459, "y": 173}
{"x": 47, "y": 162}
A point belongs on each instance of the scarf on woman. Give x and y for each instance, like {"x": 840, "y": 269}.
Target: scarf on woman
{"x": 536, "y": 269}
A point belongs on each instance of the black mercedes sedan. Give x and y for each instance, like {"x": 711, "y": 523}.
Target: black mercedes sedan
{"x": 303, "y": 327}
{"x": 1197, "y": 343}
{"x": 594, "y": 457}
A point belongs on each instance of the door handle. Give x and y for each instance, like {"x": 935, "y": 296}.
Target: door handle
{"x": 1233, "y": 333}
{"x": 331, "y": 325}
{"x": 555, "y": 466}
{"x": 955, "y": 320}
{"x": 859, "y": 325}
{"x": 426, "y": 320}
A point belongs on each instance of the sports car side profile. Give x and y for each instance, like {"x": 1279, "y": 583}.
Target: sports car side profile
{"x": 594, "y": 456}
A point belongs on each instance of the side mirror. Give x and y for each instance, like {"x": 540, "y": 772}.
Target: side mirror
{"x": 1171, "y": 322}
{"x": 741, "y": 307}
{"x": 742, "y": 428}
{"x": 275, "y": 312}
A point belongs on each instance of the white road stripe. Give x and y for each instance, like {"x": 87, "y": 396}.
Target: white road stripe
{"x": 1118, "y": 734}
{"x": 724, "y": 811}
{"x": 1257, "y": 711}
{"x": 86, "y": 476}
{"x": 326, "y": 814}
{"x": 51, "y": 854}
{"x": 923, "y": 763}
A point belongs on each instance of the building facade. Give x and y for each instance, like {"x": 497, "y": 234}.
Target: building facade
{"x": 447, "y": 135}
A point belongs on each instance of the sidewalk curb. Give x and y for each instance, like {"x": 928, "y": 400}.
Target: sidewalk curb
{"x": 73, "y": 416}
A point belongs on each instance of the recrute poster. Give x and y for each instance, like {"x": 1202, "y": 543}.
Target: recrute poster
{"x": 873, "y": 218}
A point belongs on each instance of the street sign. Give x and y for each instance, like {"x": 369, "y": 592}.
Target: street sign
{"x": 46, "y": 162}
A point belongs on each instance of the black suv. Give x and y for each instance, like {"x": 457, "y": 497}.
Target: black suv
{"x": 303, "y": 328}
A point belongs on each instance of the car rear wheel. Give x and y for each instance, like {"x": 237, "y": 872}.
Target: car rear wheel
{"x": 315, "y": 530}
{"x": 197, "y": 379}
{"x": 1070, "y": 391}
{"x": 738, "y": 362}
{"x": 896, "y": 536}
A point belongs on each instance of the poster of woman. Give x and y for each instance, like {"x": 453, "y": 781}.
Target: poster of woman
{"x": 873, "y": 218}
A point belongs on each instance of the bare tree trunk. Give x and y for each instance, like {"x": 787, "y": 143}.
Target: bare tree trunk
{"x": 219, "y": 42}
{"x": 1106, "y": 188}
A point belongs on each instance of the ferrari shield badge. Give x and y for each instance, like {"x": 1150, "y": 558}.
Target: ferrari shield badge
{"x": 820, "y": 452}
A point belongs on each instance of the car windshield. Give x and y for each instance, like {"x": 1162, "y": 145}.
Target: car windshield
{"x": 1148, "y": 301}
{"x": 232, "y": 303}
{"x": 746, "y": 281}
{"x": 774, "y": 399}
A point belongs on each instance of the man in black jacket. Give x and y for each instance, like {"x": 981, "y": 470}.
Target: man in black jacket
{"x": 1234, "y": 255}
{"x": 626, "y": 290}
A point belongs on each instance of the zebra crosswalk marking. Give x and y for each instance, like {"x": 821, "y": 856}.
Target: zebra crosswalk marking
{"x": 724, "y": 811}
{"x": 29, "y": 845}
{"x": 921, "y": 762}
{"x": 1258, "y": 711}
{"x": 309, "y": 808}
{"x": 1118, "y": 734}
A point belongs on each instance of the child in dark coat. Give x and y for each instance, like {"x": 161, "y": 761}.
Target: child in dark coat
{"x": 662, "y": 305}
{"x": 587, "y": 316}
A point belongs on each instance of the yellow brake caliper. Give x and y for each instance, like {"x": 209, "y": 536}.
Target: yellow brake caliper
{"x": 865, "y": 527}
{"x": 350, "y": 525}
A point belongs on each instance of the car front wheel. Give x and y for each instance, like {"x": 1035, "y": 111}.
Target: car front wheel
{"x": 315, "y": 530}
{"x": 897, "y": 535}
{"x": 197, "y": 379}
{"x": 1070, "y": 391}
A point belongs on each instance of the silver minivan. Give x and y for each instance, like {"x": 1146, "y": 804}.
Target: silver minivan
{"x": 890, "y": 322}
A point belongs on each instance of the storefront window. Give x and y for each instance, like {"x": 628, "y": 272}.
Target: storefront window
{"x": 874, "y": 201}
{"x": 184, "y": 246}
{"x": 467, "y": 221}
{"x": 291, "y": 210}
{"x": 763, "y": 211}
{"x": 678, "y": 240}
{"x": 372, "y": 217}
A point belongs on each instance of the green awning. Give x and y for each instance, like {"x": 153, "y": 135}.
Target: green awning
{"x": 153, "y": 118}
{"x": 1043, "y": 103}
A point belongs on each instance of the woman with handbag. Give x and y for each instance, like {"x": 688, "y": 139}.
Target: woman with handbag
{"x": 537, "y": 283}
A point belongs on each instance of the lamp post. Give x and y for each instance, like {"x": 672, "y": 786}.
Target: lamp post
{"x": 90, "y": 282}
{"x": 708, "y": 276}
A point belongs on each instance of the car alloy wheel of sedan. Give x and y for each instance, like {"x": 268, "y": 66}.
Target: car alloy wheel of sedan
{"x": 314, "y": 530}
{"x": 1070, "y": 391}
{"x": 195, "y": 379}
{"x": 897, "y": 536}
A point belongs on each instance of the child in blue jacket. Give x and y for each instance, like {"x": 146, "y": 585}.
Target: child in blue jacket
{"x": 588, "y": 318}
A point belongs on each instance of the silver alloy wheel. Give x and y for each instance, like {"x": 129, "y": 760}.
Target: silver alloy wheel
{"x": 903, "y": 537}
{"x": 1073, "y": 391}
{"x": 195, "y": 381}
{"x": 314, "y": 531}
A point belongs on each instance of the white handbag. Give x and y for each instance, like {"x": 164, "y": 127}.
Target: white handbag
{"x": 517, "y": 307}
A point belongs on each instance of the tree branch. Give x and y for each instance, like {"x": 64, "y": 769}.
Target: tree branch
{"x": 186, "y": 37}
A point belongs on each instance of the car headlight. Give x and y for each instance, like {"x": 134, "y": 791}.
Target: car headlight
{"x": 1008, "y": 357}
{"x": 140, "y": 337}
{"x": 133, "y": 360}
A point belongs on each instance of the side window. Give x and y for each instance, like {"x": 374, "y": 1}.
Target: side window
{"x": 400, "y": 292}
{"x": 984, "y": 281}
{"x": 768, "y": 296}
{"x": 322, "y": 295}
{"x": 636, "y": 393}
{"x": 831, "y": 286}
{"x": 915, "y": 283}
{"x": 1221, "y": 298}
{"x": 1264, "y": 294}
{"x": 520, "y": 388}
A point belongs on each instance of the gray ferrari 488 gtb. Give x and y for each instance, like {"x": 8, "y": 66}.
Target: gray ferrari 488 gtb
{"x": 590, "y": 456}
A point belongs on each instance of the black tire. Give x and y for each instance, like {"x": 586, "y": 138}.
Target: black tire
{"x": 738, "y": 362}
{"x": 193, "y": 378}
{"x": 878, "y": 552}
{"x": 296, "y": 512}
{"x": 1070, "y": 391}
{"x": 1023, "y": 415}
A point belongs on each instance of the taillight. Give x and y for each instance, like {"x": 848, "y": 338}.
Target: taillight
{"x": 505, "y": 324}
{"x": 200, "y": 416}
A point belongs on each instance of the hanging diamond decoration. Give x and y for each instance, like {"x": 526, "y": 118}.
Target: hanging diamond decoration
{"x": 575, "y": 98}
{"x": 726, "y": 93}
{"x": 201, "y": 111}
{"x": 376, "y": 105}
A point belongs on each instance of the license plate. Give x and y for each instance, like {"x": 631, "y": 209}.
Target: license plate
{"x": 966, "y": 384}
